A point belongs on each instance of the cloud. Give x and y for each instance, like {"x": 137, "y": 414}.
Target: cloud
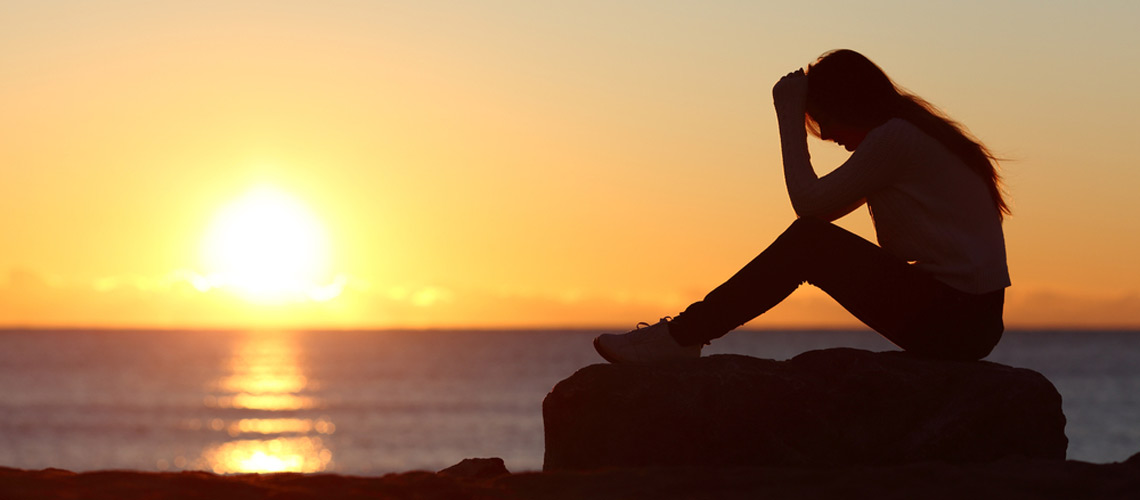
{"x": 26, "y": 280}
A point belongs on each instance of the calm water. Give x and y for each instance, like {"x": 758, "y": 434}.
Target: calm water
{"x": 377, "y": 402}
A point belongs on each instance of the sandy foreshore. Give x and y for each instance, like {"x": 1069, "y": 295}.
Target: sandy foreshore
{"x": 1006, "y": 479}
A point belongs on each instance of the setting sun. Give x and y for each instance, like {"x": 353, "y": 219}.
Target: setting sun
{"x": 268, "y": 247}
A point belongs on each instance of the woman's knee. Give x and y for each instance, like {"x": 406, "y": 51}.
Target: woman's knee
{"x": 810, "y": 224}
{"x": 807, "y": 228}
{"x": 819, "y": 229}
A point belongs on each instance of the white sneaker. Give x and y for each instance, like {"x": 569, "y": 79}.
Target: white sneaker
{"x": 651, "y": 344}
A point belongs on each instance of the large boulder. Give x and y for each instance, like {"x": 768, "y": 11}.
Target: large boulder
{"x": 828, "y": 407}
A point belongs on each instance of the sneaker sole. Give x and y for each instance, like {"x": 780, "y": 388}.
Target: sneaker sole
{"x": 602, "y": 352}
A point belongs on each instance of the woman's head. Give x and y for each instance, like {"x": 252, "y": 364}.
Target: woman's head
{"x": 848, "y": 93}
{"x": 848, "y": 96}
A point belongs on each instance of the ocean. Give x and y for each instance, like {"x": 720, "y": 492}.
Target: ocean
{"x": 374, "y": 402}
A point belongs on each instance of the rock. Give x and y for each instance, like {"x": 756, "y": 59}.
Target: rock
{"x": 828, "y": 407}
{"x": 477, "y": 468}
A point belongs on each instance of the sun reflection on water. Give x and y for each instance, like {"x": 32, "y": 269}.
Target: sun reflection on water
{"x": 281, "y": 426}
{"x": 260, "y": 379}
{"x": 296, "y": 454}
{"x": 265, "y": 376}
{"x": 271, "y": 402}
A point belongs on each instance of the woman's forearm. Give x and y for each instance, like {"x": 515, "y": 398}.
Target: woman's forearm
{"x": 798, "y": 172}
{"x": 811, "y": 196}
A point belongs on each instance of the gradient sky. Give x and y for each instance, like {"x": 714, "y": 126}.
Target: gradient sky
{"x": 524, "y": 163}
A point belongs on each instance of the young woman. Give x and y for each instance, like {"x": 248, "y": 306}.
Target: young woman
{"x": 935, "y": 284}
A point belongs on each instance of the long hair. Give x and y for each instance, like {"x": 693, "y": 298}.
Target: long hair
{"x": 847, "y": 88}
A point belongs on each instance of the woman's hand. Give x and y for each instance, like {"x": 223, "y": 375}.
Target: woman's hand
{"x": 790, "y": 93}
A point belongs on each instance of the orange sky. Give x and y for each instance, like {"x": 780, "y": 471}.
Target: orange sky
{"x": 515, "y": 164}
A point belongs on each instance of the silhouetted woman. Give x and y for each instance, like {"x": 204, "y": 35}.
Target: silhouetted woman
{"x": 936, "y": 284}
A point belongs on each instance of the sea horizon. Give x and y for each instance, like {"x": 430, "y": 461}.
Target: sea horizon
{"x": 508, "y": 328}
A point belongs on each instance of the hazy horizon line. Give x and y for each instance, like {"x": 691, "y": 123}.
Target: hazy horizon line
{"x": 496, "y": 329}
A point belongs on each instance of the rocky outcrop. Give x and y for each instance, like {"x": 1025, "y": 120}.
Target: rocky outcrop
{"x": 477, "y": 468}
{"x": 828, "y": 407}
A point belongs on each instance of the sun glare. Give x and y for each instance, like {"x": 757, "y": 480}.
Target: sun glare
{"x": 269, "y": 247}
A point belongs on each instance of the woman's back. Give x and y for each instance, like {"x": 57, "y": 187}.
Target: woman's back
{"x": 934, "y": 210}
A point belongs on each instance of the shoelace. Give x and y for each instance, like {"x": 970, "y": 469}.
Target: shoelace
{"x": 666, "y": 318}
{"x": 646, "y": 325}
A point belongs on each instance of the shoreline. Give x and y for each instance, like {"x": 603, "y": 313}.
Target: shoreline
{"x": 1007, "y": 478}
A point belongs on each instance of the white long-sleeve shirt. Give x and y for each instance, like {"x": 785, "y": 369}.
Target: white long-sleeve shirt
{"x": 928, "y": 207}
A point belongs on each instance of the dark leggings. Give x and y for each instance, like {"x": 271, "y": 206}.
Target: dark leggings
{"x": 906, "y": 305}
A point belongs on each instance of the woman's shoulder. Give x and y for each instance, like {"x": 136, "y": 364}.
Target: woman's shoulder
{"x": 896, "y": 126}
{"x": 900, "y": 133}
